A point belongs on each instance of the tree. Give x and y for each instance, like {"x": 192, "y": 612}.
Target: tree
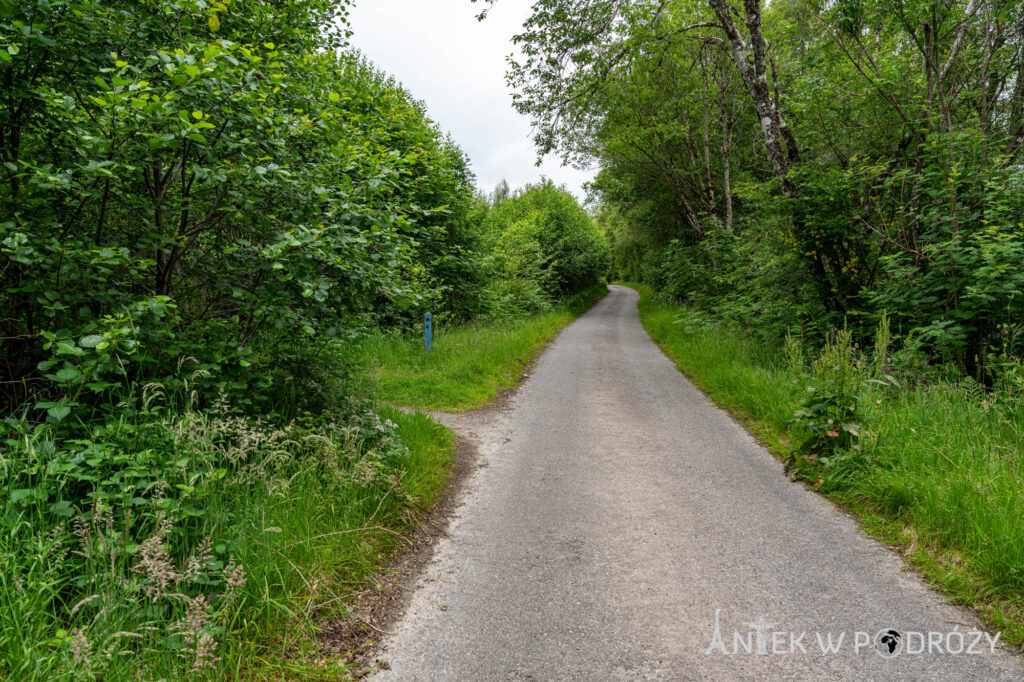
{"x": 207, "y": 180}
{"x": 544, "y": 246}
{"x": 891, "y": 130}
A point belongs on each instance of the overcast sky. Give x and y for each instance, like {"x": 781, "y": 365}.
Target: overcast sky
{"x": 454, "y": 63}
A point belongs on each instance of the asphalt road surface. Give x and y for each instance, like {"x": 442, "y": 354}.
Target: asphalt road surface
{"x": 616, "y": 511}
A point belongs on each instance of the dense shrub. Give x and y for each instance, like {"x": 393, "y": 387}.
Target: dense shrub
{"x": 200, "y": 204}
{"x": 195, "y": 179}
{"x": 750, "y": 278}
{"x": 543, "y": 246}
{"x": 141, "y": 546}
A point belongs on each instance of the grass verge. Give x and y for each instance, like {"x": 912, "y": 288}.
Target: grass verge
{"x": 469, "y": 364}
{"x": 164, "y": 538}
{"x": 940, "y": 473}
{"x": 332, "y": 541}
{"x": 171, "y": 543}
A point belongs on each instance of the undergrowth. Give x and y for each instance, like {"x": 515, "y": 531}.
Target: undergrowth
{"x": 168, "y": 542}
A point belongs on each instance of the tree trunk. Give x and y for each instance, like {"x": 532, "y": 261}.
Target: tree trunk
{"x": 755, "y": 76}
{"x": 726, "y": 181}
{"x": 708, "y": 181}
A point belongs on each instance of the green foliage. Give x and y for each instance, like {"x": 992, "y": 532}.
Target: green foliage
{"x": 200, "y": 202}
{"x": 209, "y": 180}
{"x": 893, "y": 180}
{"x": 830, "y": 412}
{"x": 749, "y": 278}
{"x": 521, "y": 285}
{"x": 947, "y": 267}
{"x": 544, "y": 246}
{"x": 168, "y": 542}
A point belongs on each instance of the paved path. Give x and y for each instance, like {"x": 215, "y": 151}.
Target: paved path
{"x": 618, "y": 510}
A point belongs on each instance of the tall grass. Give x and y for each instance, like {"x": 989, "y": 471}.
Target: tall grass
{"x": 317, "y": 542}
{"x": 939, "y": 469}
{"x": 469, "y": 364}
{"x": 167, "y": 543}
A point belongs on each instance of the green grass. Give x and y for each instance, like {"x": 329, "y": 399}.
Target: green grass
{"x": 307, "y": 512}
{"x": 469, "y": 364}
{"x": 322, "y": 556}
{"x": 940, "y": 474}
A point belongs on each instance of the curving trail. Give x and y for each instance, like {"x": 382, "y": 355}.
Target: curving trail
{"x": 617, "y": 509}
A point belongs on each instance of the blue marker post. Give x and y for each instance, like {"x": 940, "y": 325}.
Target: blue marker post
{"x": 427, "y": 331}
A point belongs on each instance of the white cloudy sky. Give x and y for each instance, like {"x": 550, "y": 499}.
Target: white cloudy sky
{"x": 454, "y": 63}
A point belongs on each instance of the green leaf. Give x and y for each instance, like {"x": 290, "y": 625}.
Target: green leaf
{"x": 62, "y": 508}
{"x": 22, "y": 494}
{"x": 59, "y": 413}
{"x": 67, "y": 374}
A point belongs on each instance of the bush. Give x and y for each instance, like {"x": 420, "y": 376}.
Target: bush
{"x": 544, "y": 235}
{"x": 200, "y": 202}
{"x": 208, "y": 180}
{"x": 747, "y": 277}
{"x": 520, "y": 285}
